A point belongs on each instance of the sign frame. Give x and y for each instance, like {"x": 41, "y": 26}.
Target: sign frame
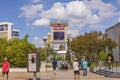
{"x": 33, "y": 62}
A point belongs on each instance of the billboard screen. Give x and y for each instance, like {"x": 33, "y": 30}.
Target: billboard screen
{"x": 58, "y": 35}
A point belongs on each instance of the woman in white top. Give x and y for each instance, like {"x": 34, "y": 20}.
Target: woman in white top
{"x": 76, "y": 69}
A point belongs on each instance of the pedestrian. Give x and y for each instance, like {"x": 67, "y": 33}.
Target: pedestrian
{"x": 62, "y": 65}
{"x": 109, "y": 60}
{"x": 76, "y": 69}
{"x": 85, "y": 65}
{"x": 80, "y": 63}
{"x": 54, "y": 65}
{"x": 5, "y": 68}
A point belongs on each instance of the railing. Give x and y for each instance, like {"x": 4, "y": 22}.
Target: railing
{"x": 108, "y": 66}
{"x": 108, "y": 69}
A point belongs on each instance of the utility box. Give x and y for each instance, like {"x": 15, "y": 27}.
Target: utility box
{"x": 33, "y": 62}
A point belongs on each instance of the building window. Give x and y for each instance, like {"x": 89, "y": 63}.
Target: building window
{"x": 1, "y": 28}
{"x": 14, "y": 33}
{"x": 4, "y": 27}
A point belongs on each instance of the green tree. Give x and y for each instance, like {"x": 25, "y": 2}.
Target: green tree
{"x": 102, "y": 55}
{"x": 3, "y": 44}
{"x": 43, "y": 53}
{"x": 16, "y": 51}
{"x": 87, "y": 44}
{"x": 90, "y": 43}
{"x": 68, "y": 56}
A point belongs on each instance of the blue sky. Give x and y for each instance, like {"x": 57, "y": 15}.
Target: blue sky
{"x": 32, "y": 17}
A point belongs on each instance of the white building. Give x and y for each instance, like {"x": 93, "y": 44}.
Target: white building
{"x": 7, "y": 31}
{"x": 58, "y": 37}
{"x": 15, "y": 33}
{"x": 114, "y": 33}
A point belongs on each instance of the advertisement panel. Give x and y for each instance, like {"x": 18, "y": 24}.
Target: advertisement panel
{"x": 33, "y": 62}
{"x": 59, "y": 47}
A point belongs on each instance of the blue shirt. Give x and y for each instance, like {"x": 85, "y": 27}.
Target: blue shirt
{"x": 84, "y": 64}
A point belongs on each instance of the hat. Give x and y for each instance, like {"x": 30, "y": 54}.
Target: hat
{"x": 5, "y": 58}
{"x": 75, "y": 59}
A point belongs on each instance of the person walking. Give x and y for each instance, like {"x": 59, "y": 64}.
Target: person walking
{"x": 109, "y": 60}
{"x": 76, "y": 69}
{"x": 62, "y": 65}
{"x": 5, "y": 68}
{"x": 85, "y": 64}
{"x": 54, "y": 65}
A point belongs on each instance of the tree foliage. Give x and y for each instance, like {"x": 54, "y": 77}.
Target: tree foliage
{"x": 68, "y": 56}
{"x": 90, "y": 43}
{"x": 16, "y": 51}
{"x": 102, "y": 55}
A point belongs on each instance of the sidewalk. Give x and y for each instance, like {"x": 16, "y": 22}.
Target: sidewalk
{"x": 60, "y": 75}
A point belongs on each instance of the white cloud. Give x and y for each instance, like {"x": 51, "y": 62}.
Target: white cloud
{"x": 37, "y": 41}
{"x": 36, "y": 1}
{"x": 77, "y": 13}
{"x": 41, "y": 22}
{"x": 56, "y": 12}
{"x": 31, "y": 11}
{"x": 77, "y": 9}
{"x": 102, "y": 9}
{"x": 80, "y": 13}
{"x": 92, "y": 19}
{"x": 118, "y": 20}
{"x": 73, "y": 32}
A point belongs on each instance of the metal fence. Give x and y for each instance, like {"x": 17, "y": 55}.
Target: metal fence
{"x": 103, "y": 65}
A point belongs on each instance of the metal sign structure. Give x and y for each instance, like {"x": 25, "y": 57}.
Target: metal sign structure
{"x": 33, "y": 62}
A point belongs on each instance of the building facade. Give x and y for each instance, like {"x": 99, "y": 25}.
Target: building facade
{"x": 58, "y": 39}
{"x": 15, "y": 33}
{"x": 7, "y": 31}
{"x": 114, "y": 33}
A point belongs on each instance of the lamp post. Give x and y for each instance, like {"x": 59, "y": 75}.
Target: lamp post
{"x": 119, "y": 47}
{"x": 45, "y": 42}
{"x": 68, "y": 47}
{"x": 69, "y": 36}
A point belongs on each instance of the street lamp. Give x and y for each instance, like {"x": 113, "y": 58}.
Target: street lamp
{"x": 45, "y": 42}
{"x": 119, "y": 47}
{"x": 69, "y": 36}
{"x": 68, "y": 46}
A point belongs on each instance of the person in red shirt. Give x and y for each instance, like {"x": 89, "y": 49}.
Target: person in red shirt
{"x": 5, "y": 68}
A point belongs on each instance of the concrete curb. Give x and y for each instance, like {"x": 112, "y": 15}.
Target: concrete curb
{"x": 25, "y": 69}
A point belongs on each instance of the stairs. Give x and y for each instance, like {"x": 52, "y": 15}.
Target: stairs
{"x": 108, "y": 73}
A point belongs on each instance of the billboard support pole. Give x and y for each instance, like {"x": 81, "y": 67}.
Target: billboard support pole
{"x": 34, "y": 76}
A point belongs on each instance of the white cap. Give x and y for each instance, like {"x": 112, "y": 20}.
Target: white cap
{"x": 75, "y": 59}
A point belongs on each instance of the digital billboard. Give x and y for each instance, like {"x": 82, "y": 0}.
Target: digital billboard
{"x": 58, "y": 35}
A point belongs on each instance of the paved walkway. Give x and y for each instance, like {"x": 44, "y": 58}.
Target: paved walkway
{"x": 60, "y": 75}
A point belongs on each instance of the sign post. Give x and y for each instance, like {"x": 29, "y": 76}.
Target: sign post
{"x": 33, "y": 64}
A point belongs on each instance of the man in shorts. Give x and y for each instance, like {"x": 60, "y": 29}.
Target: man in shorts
{"x": 76, "y": 69}
{"x": 5, "y": 68}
